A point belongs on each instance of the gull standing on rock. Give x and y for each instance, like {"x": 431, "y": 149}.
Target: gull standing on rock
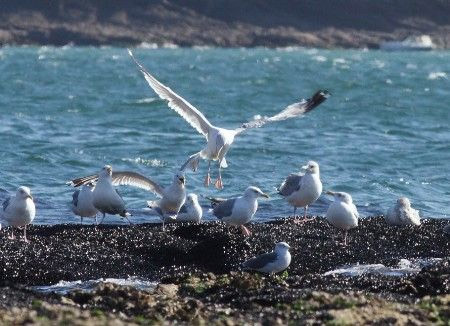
{"x": 301, "y": 190}
{"x": 273, "y": 262}
{"x": 191, "y": 211}
{"x": 19, "y": 211}
{"x": 82, "y": 202}
{"x": 108, "y": 201}
{"x": 218, "y": 139}
{"x": 402, "y": 213}
{"x": 238, "y": 211}
{"x": 342, "y": 213}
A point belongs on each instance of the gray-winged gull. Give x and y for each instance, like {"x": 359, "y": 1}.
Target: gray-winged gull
{"x": 82, "y": 202}
{"x": 273, "y": 262}
{"x": 238, "y": 211}
{"x": 402, "y": 213}
{"x": 19, "y": 211}
{"x": 108, "y": 201}
{"x": 301, "y": 190}
{"x": 342, "y": 213}
{"x": 218, "y": 139}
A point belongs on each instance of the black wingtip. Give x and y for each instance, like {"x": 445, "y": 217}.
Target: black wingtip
{"x": 318, "y": 98}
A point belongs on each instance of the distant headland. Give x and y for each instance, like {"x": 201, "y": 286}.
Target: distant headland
{"x": 223, "y": 23}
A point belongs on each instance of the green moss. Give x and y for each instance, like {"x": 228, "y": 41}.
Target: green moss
{"x": 343, "y": 303}
{"x": 97, "y": 313}
{"x": 36, "y": 304}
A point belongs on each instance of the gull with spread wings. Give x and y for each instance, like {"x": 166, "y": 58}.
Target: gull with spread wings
{"x": 108, "y": 201}
{"x": 218, "y": 139}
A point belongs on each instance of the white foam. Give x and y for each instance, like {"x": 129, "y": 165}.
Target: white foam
{"x": 64, "y": 287}
{"x": 437, "y": 75}
{"x": 404, "y": 267}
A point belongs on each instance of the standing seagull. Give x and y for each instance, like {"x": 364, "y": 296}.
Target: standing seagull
{"x": 218, "y": 139}
{"x": 342, "y": 213}
{"x": 191, "y": 211}
{"x": 302, "y": 190}
{"x": 82, "y": 202}
{"x": 238, "y": 211}
{"x": 273, "y": 262}
{"x": 19, "y": 211}
{"x": 107, "y": 200}
{"x": 402, "y": 213}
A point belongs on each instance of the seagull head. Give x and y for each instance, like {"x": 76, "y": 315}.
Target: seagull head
{"x": 282, "y": 246}
{"x": 180, "y": 178}
{"x": 106, "y": 171}
{"x": 403, "y": 202}
{"x": 24, "y": 193}
{"x": 255, "y": 192}
{"x": 341, "y": 196}
{"x": 192, "y": 199}
{"x": 311, "y": 167}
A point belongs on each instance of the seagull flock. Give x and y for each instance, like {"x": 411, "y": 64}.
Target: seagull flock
{"x": 98, "y": 195}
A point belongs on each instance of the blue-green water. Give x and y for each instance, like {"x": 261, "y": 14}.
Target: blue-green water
{"x": 65, "y": 112}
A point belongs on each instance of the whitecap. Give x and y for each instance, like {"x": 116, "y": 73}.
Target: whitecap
{"x": 437, "y": 75}
{"x": 168, "y": 45}
{"x": 320, "y": 58}
{"x": 148, "y": 162}
{"x": 146, "y": 45}
{"x": 145, "y": 100}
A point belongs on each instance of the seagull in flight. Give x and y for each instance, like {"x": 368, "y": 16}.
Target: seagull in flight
{"x": 108, "y": 201}
{"x": 219, "y": 140}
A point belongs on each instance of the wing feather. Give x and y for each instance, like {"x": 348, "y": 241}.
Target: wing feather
{"x": 126, "y": 178}
{"x": 186, "y": 110}
{"x": 292, "y": 111}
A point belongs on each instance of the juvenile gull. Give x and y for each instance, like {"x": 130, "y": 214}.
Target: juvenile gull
{"x": 301, "y": 190}
{"x": 402, "y": 213}
{"x": 19, "y": 211}
{"x": 107, "y": 200}
{"x": 82, "y": 202}
{"x": 273, "y": 262}
{"x": 191, "y": 211}
{"x": 219, "y": 139}
{"x": 238, "y": 211}
{"x": 342, "y": 213}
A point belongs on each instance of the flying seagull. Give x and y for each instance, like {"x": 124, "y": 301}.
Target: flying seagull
{"x": 219, "y": 139}
{"x": 301, "y": 190}
{"x": 82, "y": 202}
{"x": 342, "y": 213}
{"x": 273, "y": 262}
{"x": 238, "y": 211}
{"x": 19, "y": 211}
{"x": 108, "y": 201}
{"x": 402, "y": 213}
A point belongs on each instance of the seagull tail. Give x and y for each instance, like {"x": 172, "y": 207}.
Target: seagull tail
{"x": 318, "y": 98}
{"x": 126, "y": 214}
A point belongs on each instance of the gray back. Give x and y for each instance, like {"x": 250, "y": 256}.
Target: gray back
{"x": 75, "y": 198}
{"x": 291, "y": 184}
{"x": 224, "y": 208}
{"x": 260, "y": 261}
{"x": 6, "y": 203}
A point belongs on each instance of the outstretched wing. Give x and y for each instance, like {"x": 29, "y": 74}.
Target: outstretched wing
{"x": 124, "y": 178}
{"x": 290, "y": 184}
{"x": 134, "y": 179}
{"x": 187, "y": 111}
{"x": 292, "y": 111}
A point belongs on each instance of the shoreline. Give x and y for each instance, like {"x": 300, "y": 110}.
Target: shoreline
{"x": 200, "y": 282}
{"x": 324, "y": 24}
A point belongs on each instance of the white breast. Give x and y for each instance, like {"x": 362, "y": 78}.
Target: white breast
{"x": 309, "y": 192}
{"x": 243, "y": 211}
{"x": 342, "y": 215}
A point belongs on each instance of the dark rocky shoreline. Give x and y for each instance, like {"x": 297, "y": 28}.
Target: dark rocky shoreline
{"x": 230, "y": 23}
{"x": 200, "y": 279}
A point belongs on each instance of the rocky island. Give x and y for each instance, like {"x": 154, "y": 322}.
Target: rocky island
{"x": 197, "y": 267}
{"x": 224, "y": 23}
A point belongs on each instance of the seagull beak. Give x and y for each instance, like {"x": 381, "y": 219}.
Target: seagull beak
{"x": 331, "y": 193}
{"x": 265, "y": 195}
{"x": 182, "y": 180}
{"x": 29, "y": 196}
